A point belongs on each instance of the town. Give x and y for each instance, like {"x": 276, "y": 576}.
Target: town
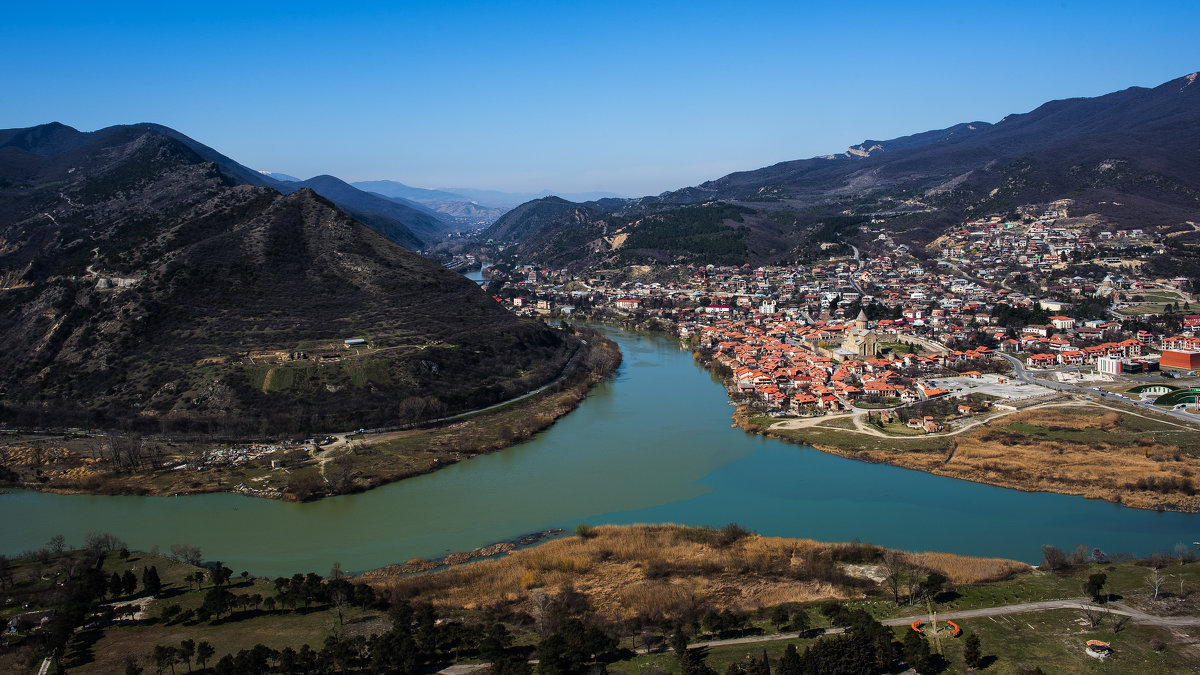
{"x": 991, "y": 303}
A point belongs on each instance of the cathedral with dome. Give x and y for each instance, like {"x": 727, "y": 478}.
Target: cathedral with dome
{"x": 860, "y": 340}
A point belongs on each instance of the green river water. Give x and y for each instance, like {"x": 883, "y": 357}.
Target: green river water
{"x": 651, "y": 444}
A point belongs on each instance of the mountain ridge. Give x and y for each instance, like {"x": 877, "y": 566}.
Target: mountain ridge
{"x": 1104, "y": 152}
{"x": 146, "y": 289}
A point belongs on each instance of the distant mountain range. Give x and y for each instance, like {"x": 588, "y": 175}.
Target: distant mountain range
{"x": 439, "y": 212}
{"x": 491, "y": 198}
{"x": 1130, "y": 157}
{"x": 149, "y": 283}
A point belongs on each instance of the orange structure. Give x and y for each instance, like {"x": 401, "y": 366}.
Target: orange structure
{"x": 1180, "y": 358}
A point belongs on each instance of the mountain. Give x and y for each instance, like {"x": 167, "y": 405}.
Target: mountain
{"x": 283, "y": 177}
{"x": 467, "y": 213}
{"x": 391, "y": 188}
{"x": 389, "y": 217}
{"x": 467, "y": 206}
{"x": 144, "y": 288}
{"x": 508, "y": 200}
{"x": 1124, "y": 156}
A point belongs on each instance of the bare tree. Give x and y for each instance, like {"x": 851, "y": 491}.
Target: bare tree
{"x": 343, "y": 471}
{"x": 1053, "y": 558}
{"x": 338, "y": 602}
{"x": 56, "y": 544}
{"x": 1118, "y": 621}
{"x": 186, "y": 553}
{"x": 101, "y": 543}
{"x": 1155, "y": 581}
{"x": 893, "y": 565}
{"x": 543, "y": 608}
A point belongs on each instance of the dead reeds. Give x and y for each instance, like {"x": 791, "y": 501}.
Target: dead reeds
{"x": 670, "y": 570}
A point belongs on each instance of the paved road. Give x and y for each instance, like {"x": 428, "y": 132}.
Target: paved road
{"x": 858, "y": 270}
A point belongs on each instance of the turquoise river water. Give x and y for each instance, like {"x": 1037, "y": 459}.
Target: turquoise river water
{"x": 651, "y": 444}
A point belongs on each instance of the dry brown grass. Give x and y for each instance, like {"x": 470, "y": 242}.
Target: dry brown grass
{"x": 966, "y": 570}
{"x": 1058, "y": 417}
{"x": 1070, "y": 451}
{"x": 666, "y": 570}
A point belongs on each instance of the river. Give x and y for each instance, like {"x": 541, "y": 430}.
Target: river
{"x": 651, "y": 444}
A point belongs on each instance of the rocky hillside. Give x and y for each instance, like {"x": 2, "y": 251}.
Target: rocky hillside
{"x": 142, "y": 286}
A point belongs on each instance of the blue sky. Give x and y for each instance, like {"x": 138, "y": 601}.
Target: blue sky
{"x": 634, "y": 98}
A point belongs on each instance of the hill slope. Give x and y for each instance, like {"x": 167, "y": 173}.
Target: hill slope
{"x": 143, "y": 287}
{"x": 407, "y": 225}
{"x": 1127, "y": 156}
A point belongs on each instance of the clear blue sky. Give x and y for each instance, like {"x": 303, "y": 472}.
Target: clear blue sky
{"x": 634, "y": 98}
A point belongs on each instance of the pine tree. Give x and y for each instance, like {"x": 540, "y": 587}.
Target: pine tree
{"x": 790, "y": 663}
{"x": 972, "y": 652}
{"x": 150, "y": 581}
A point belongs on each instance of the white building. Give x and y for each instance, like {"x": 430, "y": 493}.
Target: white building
{"x": 1109, "y": 365}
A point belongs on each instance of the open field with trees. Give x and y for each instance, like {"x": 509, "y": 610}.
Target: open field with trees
{"x": 677, "y": 599}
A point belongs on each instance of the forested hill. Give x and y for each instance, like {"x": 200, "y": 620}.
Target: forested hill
{"x": 141, "y": 286}
{"x": 1126, "y": 156}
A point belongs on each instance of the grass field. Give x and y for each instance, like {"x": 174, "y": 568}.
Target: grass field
{"x": 1144, "y": 308}
{"x": 842, "y": 440}
{"x": 105, "y": 649}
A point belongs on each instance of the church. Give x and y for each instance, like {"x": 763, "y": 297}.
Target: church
{"x": 860, "y": 340}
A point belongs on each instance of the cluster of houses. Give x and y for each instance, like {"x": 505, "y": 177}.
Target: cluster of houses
{"x": 947, "y": 301}
{"x": 996, "y": 246}
{"x": 782, "y": 365}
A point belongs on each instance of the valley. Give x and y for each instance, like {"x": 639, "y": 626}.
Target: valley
{"x": 961, "y": 353}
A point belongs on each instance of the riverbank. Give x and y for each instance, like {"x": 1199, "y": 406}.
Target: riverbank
{"x": 1072, "y": 447}
{"x": 732, "y": 593}
{"x": 663, "y": 571}
{"x": 77, "y": 464}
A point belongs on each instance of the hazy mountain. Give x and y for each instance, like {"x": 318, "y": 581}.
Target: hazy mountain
{"x": 391, "y": 188}
{"x": 387, "y": 216}
{"x": 1126, "y": 156}
{"x": 281, "y": 177}
{"x": 488, "y": 198}
{"x": 143, "y": 287}
{"x": 465, "y": 206}
{"x": 507, "y": 200}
